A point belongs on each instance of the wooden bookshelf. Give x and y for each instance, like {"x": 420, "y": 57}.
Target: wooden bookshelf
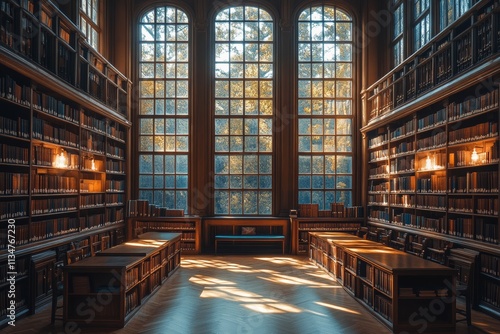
{"x": 392, "y": 284}
{"x": 62, "y": 149}
{"x": 127, "y": 275}
{"x": 189, "y": 226}
{"x": 301, "y": 226}
{"x": 433, "y": 156}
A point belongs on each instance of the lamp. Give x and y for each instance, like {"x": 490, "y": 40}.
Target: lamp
{"x": 61, "y": 160}
{"x": 474, "y": 156}
{"x": 428, "y": 163}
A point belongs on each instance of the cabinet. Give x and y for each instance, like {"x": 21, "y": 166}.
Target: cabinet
{"x": 301, "y": 226}
{"x": 108, "y": 289}
{"x": 189, "y": 227}
{"x": 62, "y": 148}
{"x": 392, "y": 284}
{"x": 433, "y": 155}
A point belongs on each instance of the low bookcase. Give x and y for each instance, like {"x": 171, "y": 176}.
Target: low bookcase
{"x": 405, "y": 292}
{"x": 107, "y": 290}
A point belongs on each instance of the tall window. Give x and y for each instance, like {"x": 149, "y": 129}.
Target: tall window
{"x": 89, "y": 21}
{"x": 325, "y": 115}
{"x": 397, "y": 7}
{"x": 450, "y": 10}
{"x": 422, "y": 23}
{"x": 164, "y": 107}
{"x": 243, "y": 111}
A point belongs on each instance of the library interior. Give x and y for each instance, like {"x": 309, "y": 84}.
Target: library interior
{"x": 344, "y": 155}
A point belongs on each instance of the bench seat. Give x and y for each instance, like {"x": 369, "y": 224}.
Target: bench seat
{"x": 252, "y": 237}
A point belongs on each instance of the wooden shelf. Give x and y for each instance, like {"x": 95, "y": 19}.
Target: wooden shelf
{"x": 189, "y": 226}
{"x": 392, "y": 284}
{"x": 128, "y": 274}
{"x": 301, "y": 226}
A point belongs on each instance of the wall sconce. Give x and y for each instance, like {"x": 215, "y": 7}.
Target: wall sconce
{"x": 61, "y": 160}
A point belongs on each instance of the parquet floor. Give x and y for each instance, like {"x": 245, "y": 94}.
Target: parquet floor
{"x": 245, "y": 294}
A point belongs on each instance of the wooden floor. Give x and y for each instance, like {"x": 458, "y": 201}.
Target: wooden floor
{"x": 246, "y": 294}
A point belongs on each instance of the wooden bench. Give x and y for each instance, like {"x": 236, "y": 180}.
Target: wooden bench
{"x": 256, "y": 238}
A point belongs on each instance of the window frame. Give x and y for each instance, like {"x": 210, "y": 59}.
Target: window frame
{"x": 187, "y": 114}
{"x": 90, "y": 25}
{"x": 218, "y": 177}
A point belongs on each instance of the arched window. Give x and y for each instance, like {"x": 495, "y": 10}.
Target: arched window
{"x": 164, "y": 107}
{"x": 325, "y": 106}
{"x": 243, "y": 114}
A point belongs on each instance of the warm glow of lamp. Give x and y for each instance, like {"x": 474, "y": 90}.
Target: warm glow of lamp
{"x": 474, "y": 156}
{"x": 61, "y": 160}
{"x": 428, "y": 163}
{"x": 92, "y": 165}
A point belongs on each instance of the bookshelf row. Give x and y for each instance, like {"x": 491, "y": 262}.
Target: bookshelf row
{"x": 391, "y": 283}
{"x": 42, "y": 34}
{"x": 433, "y": 171}
{"x": 465, "y": 44}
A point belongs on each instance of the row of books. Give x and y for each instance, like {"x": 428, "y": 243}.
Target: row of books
{"x": 18, "y": 127}
{"x": 14, "y": 183}
{"x": 404, "y": 130}
{"x": 115, "y": 166}
{"x": 490, "y": 292}
{"x": 13, "y": 90}
{"x": 432, "y": 120}
{"x": 474, "y": 182}
{"x": 53, "y": 205}
{"x": 55, "y": 107}
{"x": 115, "y": 215}
{"x": 404, "y": 147}
{"x": 14, "y": 155}
{"x": 490, "y": 264}
{"x": 91, "y": 201}
{"x": 379, "y": 155}
{"x": 380, "y": 187}
{"x": 403, "y": 183}
{"x": 54, "y": 184}
{"x": 92, "y": 142}
{"x": 378, "y": 140}
{"x": 13, "y": 209}
{"x": 46, "y": 131}
{"x": 93, "y": 123}
{"x": 115, "y": 131}
{"x": 142, "y": 208}
{"x": 402, "y": 165}
{"x": 487, "y": 230}
{"x": 46, "y": 229}
{"x": 473, "y": 133}
{"x": 457, "y": 110}
{"x": 164, "y": 226}
{"x": 383, "y": 281}
{"x": 379, "y": 171}
{"x": 435, "y": 141}
{"x": 337, "y": 210}
{"x": 115, "y": 185}
{"x": 433, "y": 184}
{"x": 115, "y": 199}
{"x": 115, "y": 151}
